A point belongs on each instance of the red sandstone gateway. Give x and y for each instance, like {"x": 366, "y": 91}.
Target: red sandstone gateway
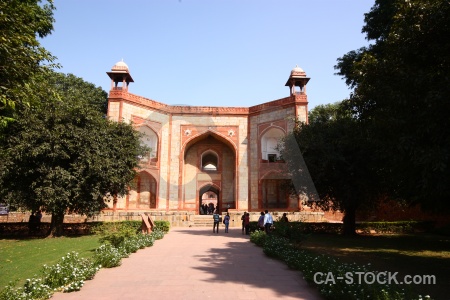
{"x": 224, "y": 157}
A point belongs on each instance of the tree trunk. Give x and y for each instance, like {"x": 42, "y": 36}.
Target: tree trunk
{"x": 349, "y": 222}
{"x": 114, "y": 202}
{"x": 57, "y": 225}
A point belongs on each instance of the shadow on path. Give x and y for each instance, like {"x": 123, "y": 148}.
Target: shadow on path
{"x": 195, "y": 263}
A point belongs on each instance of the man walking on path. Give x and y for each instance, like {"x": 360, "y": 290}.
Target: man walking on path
{"x": 242, "y": 219}
{"x": 216, "y": 218}
{"x": 268, "y": 221}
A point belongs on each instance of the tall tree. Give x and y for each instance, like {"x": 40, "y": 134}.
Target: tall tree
{"x": 21, "y": 55}
{"x": 336, "y": 151}
{"x": 65, "y": 156}
{"x": 401, "y": 89}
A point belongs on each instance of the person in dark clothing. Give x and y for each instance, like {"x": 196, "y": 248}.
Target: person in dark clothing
{"x": 242, "y": 219}
{"x": 216, "y": 218}
{"x": 261, "y": 221}
{"x": 247, "y": 223}
{"x": 32, "y": 224}
{"x": 38, "y": 220}
{"x": 284, "y": 218}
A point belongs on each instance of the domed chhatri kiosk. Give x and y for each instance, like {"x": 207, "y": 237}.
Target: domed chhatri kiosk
{"x": 200, "y": 155}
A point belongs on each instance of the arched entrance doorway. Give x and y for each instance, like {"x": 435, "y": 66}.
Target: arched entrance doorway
{"x": 209, "y": 169}
{"x": 209, "y": 198}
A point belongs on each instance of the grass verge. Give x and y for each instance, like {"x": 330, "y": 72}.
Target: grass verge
{"x": 23, "y": 258}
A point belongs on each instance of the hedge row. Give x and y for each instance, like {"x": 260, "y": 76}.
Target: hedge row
{"x": 395, "y": 227}
{"x": 21, "y": 229}
{"x": 362, "y": 227}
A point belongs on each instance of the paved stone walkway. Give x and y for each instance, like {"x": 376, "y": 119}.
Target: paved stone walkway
{"x": 194, "y": 263}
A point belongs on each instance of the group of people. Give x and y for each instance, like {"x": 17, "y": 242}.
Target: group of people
{"x": 208, "y": 209}
{"x": 265, "y": 222}
{"x": 246, "y": 223}
{"x": 216, "y": 218}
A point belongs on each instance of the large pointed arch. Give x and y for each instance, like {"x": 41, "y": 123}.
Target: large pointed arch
{"x": 209, "y": 186}
{"x": 194, "y": 175}
{"x": 205, "y": 134}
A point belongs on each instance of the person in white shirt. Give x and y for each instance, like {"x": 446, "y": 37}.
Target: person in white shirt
{"x": 268, "y": 221}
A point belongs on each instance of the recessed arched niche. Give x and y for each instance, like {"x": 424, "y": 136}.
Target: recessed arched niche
{"x": 150, "y": 139}
{"x": 210, "y": 161}
{"x": 269, "y": 144}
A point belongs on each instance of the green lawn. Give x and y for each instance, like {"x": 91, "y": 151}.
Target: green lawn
{"x": 24, "y": 258}
{"x": 418, "y": 254}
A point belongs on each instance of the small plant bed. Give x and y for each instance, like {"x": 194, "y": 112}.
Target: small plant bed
{"x": 336, "y": 278}
{"x": 69, "y": 273}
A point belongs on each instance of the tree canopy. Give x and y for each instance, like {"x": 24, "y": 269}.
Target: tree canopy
{"x": 401, "y": 89}
{"x": 65, "y": 156}
{"x": 21, "y": 55}
{"x": 336, "y": 152}
{"x": 391, "y": 137}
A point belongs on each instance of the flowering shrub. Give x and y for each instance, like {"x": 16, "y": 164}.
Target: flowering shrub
{"x": 147, "y": 240}
{"x": 310, "y": 263}
{"x": 258, "y": 237}
{"x": 32, "y": 289}
{"x": 130, "y": 245}
{"x": 275, "y": 246}
{"x": 107, "y": 256}
{"x": 158, "y": 234}
{"x": 69, "y": 273}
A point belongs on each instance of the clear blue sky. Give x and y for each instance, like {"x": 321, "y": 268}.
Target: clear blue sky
{"x": 211, "y": 53}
